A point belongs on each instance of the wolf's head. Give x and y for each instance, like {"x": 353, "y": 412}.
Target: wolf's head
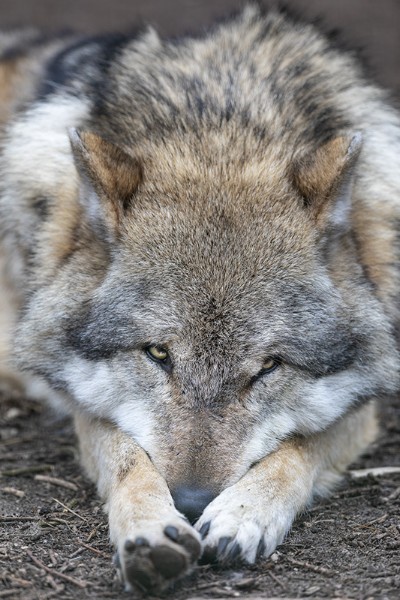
{"x": 210, "y": 306}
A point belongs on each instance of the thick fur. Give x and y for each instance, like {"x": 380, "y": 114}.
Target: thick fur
{"x": 234, "y": 199}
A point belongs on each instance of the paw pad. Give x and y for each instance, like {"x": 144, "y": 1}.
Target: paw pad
{"x": 152, "y": 567}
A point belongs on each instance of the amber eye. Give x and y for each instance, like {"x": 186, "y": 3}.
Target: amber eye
{"x": 269, "y": 364}
{"x": 157, "y": 353}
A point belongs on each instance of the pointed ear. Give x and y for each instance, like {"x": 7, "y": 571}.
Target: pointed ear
{"x": 109, "y": 176}
{"x": 325, "y": 179}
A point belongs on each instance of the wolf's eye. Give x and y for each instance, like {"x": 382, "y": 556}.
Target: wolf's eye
{"x": 159, "y": 355}
{"x": 269, "y": 365}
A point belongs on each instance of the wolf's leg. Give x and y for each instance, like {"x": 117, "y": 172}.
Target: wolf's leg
{"x": 250, "y": 518}
{"x": 155, "y": 543}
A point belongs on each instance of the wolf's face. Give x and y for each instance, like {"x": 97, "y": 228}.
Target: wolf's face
{"x": 204, "y": 316}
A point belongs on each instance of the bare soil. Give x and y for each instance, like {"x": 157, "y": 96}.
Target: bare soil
{"x": 54, "y": 540}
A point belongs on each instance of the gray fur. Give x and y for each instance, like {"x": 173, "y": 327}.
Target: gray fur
{"x": 223, "y": 239}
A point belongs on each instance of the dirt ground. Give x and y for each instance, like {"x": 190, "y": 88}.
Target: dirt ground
{"x": 54, "y": 541}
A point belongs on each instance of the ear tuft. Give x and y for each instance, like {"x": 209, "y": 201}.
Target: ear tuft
{"x": 324, "y": 178}
{"x": 113, "y": 174}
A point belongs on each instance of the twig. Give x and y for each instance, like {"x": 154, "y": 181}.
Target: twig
{"x": 18, "y": 581}
{"x": 25, "y": 470}
{"x": 55, "y": 520}
{"x": 277, "y": 580}
{"x": 98, "y": 552}
{"x": 76, "y": 553}
{"x": 355, "y": 492}
{"x": 246, "y": 583}
{"x": 41, "y": 565}
{"x": 310, "y": 567}
{"x": 394, "y": 495}
{"x": 92, "y": 533}
{"x": 56, "y": 481}
{"x": 17, "y": 440}
{"x": 7, "y": 519}
{"x": 13, "y": 491}
{"x": 375, "y": 471}
{"x": 50, "y": 580}
{"x": 217, "y": 589}
{"x": 69, "y": 510}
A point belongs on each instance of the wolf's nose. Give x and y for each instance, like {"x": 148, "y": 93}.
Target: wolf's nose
{"x": 191, "y": 501}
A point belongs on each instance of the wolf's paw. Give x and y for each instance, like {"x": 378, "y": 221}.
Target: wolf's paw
{"x": 158, "y": 554}
{"x": 237, "y": 526}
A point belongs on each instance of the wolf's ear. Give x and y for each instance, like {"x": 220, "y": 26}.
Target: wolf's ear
{"x": 325, "y": 179}
{"x": 109, "y": 177}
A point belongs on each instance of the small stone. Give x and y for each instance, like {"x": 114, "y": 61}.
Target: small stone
{"x": 274, "y": 557}
{"x": 312, "y": 590}
{"x": 12, "y": 413}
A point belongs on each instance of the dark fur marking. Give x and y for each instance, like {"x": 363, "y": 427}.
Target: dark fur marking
{"x": 25, "y": 46}
{"x": 40, "y": 205}
{"x": 74, "y": 60}
{"x": 125, "y": 469}
{"x": 102, "y": 330}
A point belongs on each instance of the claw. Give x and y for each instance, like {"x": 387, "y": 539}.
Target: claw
{"x": 141, "y": 541}
{"x": 233, "y": 553}
{"x": 260, "y": 548}
{"x": 222, "y": 545}
{"x": 116, "y": 560}
{"x": 171, "y": 533}
{"x": 204, "y": 529}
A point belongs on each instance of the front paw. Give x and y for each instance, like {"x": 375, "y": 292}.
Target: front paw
{"x": 241, "y": 527}
{"x": 158, "y": 553}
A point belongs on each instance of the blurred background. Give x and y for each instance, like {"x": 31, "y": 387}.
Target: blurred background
{"x": 372, "y": 25}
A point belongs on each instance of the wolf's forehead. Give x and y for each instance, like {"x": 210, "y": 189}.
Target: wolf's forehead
{"x": 212, "y": 301}
{"x": 221, "y": 239}
{"x": 214, "y": 275}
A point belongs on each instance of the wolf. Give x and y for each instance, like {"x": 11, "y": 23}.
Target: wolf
{"x": 200, "y": 263}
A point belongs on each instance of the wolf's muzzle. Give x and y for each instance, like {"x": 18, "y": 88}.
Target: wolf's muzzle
{"x": 191, "y": 501}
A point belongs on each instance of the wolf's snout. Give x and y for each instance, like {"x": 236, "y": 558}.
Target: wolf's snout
{"x": 191, "y": 501}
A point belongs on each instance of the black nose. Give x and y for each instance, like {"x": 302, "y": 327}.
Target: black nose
{"x": 191, "y": 501}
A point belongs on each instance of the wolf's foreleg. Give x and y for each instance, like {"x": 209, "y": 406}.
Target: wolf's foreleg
{"x": 155, "y": 543}
{"x": 250, "y": 518}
